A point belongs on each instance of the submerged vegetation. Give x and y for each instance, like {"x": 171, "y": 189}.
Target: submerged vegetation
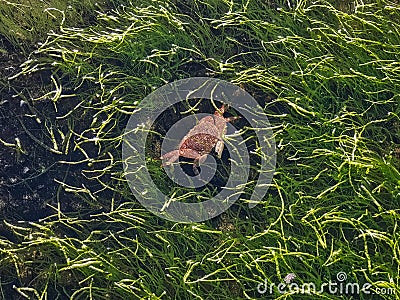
{"x": 327, "y": 75}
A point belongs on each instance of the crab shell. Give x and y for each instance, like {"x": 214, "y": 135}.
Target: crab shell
{"x": 201, "y": 139}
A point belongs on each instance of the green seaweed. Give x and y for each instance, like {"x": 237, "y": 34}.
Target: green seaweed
{"x": 327, "y": 75}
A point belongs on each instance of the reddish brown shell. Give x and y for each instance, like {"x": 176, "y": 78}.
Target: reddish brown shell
{"x": 201, "y": 143}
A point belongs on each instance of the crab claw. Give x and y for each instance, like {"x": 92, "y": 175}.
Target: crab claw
{"x": 219, "y": 147}
{"x": 230, "y": 119}
{"x": 221, "y": 110}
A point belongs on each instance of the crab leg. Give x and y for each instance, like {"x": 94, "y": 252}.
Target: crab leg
{"x": 170, "y": 157}
{"x": 197, "y": 162}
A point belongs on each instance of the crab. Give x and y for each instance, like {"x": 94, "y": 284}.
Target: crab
{"x": 201, "y": 139}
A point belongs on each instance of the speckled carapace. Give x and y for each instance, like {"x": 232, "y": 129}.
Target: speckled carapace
{"x": 201, "y": 139}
